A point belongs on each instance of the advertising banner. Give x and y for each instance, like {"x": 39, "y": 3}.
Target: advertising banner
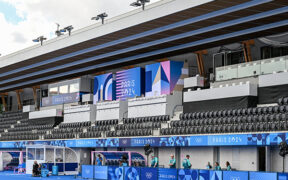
{"x": 87, "y": 171}
{"x": 237, "y": 175}
{"x": 262, "y": 176}
{"x": 188, "y": 174}
{"x": 216, "y": 175}
{"x": 130, "y": 83}
{"x": 204, "y": 175}
{"x": 61, "y": 99}
{"x": 132, "y": 173}
{"x": 149, "y": 173}
{"x": 101, "y": 172}
{"x": 104, "y": 88}
{"x": 282, "y": 176}
{"x": 167, "y": 174}
{"x": 115, "y": 173}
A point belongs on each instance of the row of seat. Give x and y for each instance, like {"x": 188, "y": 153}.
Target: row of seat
{"x": 106, "y": 122}
{"x": 22, "y": 137}
{"x": 231, "y": 120}
{"x": 240, "y": 128}
{"x": 283, "y": 101}
{"x": 146, "y": 119}
{"x": 30, "y": 128}
{"x": 67, "y": 130}
{"x": 75, "y": 125}
{"x": 149, "y": 125}
{"x": 235, "y": 112}
{"x": 98, "y": 128}
{"x": 90, "y": 135}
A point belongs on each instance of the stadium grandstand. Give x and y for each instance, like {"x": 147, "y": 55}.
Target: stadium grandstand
{"x": 149, "y": 87}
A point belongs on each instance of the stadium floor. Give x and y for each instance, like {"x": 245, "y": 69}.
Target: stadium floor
{"x": 11, "y": 176}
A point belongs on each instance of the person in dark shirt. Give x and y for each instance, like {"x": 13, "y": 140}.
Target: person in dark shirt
{"x": 35, "y": 170}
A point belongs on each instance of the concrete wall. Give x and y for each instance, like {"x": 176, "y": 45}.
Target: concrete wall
{"x": 164, "y": 156}
{"x": 199, "y": 156}
{"x": 242, "y": 158}
{"x": 277, "y": 161}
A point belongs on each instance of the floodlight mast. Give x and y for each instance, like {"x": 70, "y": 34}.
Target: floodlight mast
{"x": 40, "y": 39}
{"x": 140, "y": 3}
{"x": 68, "y": 28}
{"x": 100, "y": 16}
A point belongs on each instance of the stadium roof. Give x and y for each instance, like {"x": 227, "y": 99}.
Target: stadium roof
{"x": 166, "y": 28}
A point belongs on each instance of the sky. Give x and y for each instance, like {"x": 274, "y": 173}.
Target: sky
{"x": 24, "y": 20}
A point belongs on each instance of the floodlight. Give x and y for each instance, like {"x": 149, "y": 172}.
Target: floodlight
{"x": 40, "y": 39}
{"x": 58, "y": 32}
{"x": 140, "y": 3}
{"x": 68, "y": 28}
{"x": 100, "y": 16}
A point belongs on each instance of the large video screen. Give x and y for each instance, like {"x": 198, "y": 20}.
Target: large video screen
{"x": 164, "y": 78}
{"x": 104, "y": 88}
{"x": 130, "y": 83}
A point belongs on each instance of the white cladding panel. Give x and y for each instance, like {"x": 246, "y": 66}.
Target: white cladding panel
{"x": 111, "y": 110}
{"x": 45, "y": 113}
{"x": 154, "y": 106}
{"x": 79, "y": 113}
{"x": 29, "y": 108}
{"x": 247, "y": 89}
{"x": 196, "y": 81}
{"x": 273, "y": 79}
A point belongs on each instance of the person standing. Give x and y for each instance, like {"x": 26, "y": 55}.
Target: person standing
{"x": 217, "y": 167}
{"x": 228, "y": 166}
{"x": 154, "y": 162}
{"x": 186, "y": 162}
{"x": 172, "y": 161}
{"x": 99, "y": 160}
{"x": 208, "y": 166}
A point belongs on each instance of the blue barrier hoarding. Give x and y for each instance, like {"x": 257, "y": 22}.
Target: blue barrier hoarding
{"x": 235, "y": 175}
{"x": 130, "y": 83}
{"x": 262, "y": 176}
{"x": 167, "y": 174}
{"x": 115, "y": 173}
{"x": 216, "y": 175}
{"x": 101, "y": 172}
{"x": 188, "y": 174}
{"x": 149, "y": 173}
{"x": 282, "y": 176}
{"x": 132, "y": 173}
{"x": 204, "y": 174}
{"x": 87, "y": 171}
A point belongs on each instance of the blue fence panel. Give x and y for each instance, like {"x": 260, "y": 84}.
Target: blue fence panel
{"x": 216, "y": 175}
{"x": 87, "y": 171}
{"x": 282, "y": 176}
{"x": 188, "y": 174}
{"x": 149, "y": 173}
{"x": 262, "y": 176}
{"x": 204, "y": 175}
{"x": 167, "y": 174}
{"x": 237, "y": 175}
{"x": 115, "y": 173}
{"x": 132, "y": 173}
{"x": 101, "y": 172}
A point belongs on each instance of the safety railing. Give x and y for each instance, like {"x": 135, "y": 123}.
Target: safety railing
{"x": 255, "y": 68}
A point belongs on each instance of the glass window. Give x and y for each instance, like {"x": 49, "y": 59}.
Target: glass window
{"x": 31, "y": 154}
{"x": 40, "y": 154}
{"x": 74, "y": 88}
{"x": 53, "y": 91}
{"x": 63, "y": 89}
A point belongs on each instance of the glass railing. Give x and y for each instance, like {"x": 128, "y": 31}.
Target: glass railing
{"x": 255, "y": 68}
